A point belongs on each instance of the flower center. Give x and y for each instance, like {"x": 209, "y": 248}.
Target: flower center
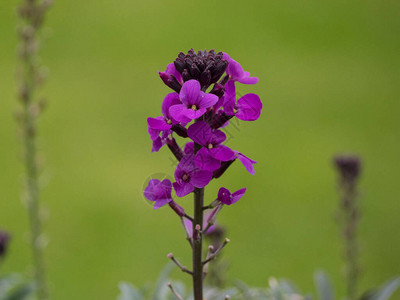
{"x": 210, "y": 146}
{"x": 235, "y": 110}
{"x": 169, "y": 121}
{"x": 194, "y": 107}
{"x": 185, "y": 177}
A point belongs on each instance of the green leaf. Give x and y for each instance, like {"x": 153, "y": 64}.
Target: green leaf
{"x": 129, "y": 292}
{"x": 324, "y": 286}
{"x": 387, "y": 289}
{"x": 21, "y": 292}
{"x": 161, "y": 285}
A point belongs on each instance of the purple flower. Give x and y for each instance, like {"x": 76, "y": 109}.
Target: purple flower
{"x": 210, "y": 156}
{"x": 236, "y": 72}
{"x": 164, "y": 122}
{"x": 188, "y": 176}
{"x": 159, "y": 192}
{"x": 158, "y": 140}
{"x": 225, "y": 196}
{"x": 172, "y": 78}
{"x": 4, "y": 238}
{"x": 247, "y": 162}
{"x": 247, "y": 108}
{"x": 194, "y": 102}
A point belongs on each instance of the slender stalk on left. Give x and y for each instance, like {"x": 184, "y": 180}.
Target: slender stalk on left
{"x": 30, "y": 18}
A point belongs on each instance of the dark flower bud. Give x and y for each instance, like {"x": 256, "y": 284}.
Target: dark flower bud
{"x": 205, "y": 78}
{"x": 174, "y": 84}
{"x": 349, "y": 167}
{"x": 219, "y": 120}
{"x": 218, "y": 90}
{"x": 4, "y": 239}
{"x": 175, "y": 149}
{"x": 186, "y": 76}
{"x": 194, "y": 71}
{"x": 177, "y": 208}
{"x": 219, "y": 70}
{"x": 180, "y": 64}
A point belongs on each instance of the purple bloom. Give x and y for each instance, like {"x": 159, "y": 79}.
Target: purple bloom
{"x": 4, "y": 238}
{"x": 188, "y": 176}
{"x": 225, "y": 196}
{"x": 247, "y": 108}
{"x": 236, "y": 72}
{"x": 158, "y": 140}
{"x": 159, "y": 192}
{"x": 194, "y": 102}
{"x": 210, "y": 156}
{"x": 189, "y": 148}
{"x": 172, "y": 77}
{"x": 247, "y": 162}
{"x": 165, "y": 121}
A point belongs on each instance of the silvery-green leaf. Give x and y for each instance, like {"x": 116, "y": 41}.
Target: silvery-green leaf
{"x": 323, "y": 286}
{"x": 161, "y": 288}
{"x": 387, "y": 289}
{"x": 129, "y": 292}
{"x": 21, "y": 292}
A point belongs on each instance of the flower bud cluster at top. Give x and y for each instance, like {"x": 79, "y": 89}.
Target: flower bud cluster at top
{"x": 203, "y": 102}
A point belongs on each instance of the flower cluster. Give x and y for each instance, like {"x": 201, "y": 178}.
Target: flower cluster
{"x": 202, "y": 103}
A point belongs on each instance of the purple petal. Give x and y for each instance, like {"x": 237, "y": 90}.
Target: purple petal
{"x": 247, "y": 79}
{"x": 193, "y": 114}
{"x": 247, "y": 162}
{"x": 200, "y": 132}
{"x": 154, "y": 133}
{"x": 157, "y": 190}
{"x": 200, "y": 178}
{"x": 205, "y": 161}
{"x": 237, "y": 195}
{"x": 208, "y": 101}
{"x": 190, "y": 92}
{"x": 222, "y": 153}
{"x": 229, "y": 98}
{"x": 217, "y": 137}
{"x": 157, "y": 144}
{"x": 183, "y": 189}
{"x": 160, "y": 203}
{"x": 224, "y": 195}
{"x": 188, "y": 225}
{"x": 169, "y": 100}
{"x": 235, "y": 70}
{"x": 177, "y": 112}
{"x": 158, "y": 123}
{"x": 249, "y": 107}
{"x": 189, "y": 148}
{"x": 171, "y": 70}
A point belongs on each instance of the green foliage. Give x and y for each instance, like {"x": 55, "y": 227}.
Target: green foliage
{"x": 276, "y": 290}
{"x": 14, "y": 287}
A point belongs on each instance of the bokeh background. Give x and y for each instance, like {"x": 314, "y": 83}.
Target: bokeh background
{"x": 329, "y": 80}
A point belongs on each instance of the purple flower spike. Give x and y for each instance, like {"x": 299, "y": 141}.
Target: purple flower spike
{"x": 236, "y": 72}
{"x": 159, "y": 192}
{"x": 247, "y": 162}
{"x": 247, "y": 108}
{"x": 188, "y": 176}
{"x": 194, "y": 102}
{"x": 225, "y": 196}
{"x": 213, "y": 152}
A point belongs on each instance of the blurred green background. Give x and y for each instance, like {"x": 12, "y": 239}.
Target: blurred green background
{"x": 329, "y": 81}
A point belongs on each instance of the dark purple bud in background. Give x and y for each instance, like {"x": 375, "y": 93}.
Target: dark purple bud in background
{"x": 180, "y": 63}
{"x": 349, "y": 167}
{"x": 219, "y": 70}
{"x": 186, "y": 76}
{"x": 195, "y": 71}
{"x": 4, "y": 239}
